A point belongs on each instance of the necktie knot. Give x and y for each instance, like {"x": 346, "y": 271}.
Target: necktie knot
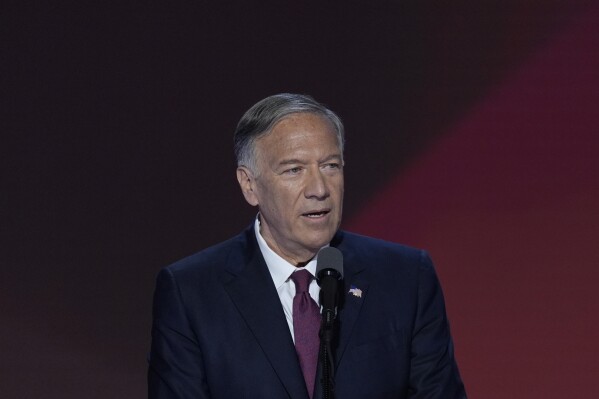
{"x": 301, "y": 279}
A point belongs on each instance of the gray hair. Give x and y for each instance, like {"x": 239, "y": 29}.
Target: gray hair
{"x": 262, "y": 116}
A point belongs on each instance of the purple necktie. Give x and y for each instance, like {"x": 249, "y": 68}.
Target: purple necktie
{"x": 306, "y": 324}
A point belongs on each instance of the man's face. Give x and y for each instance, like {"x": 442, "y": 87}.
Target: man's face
{"x": 298, "y": 185}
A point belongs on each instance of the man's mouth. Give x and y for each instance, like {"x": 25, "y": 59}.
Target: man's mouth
{"x": 316, "y": 214}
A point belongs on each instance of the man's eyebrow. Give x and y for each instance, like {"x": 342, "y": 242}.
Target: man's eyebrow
{"x": 296, "y": 161}
{"x": 331, "y": 157}
{"x": 292, "y": 162}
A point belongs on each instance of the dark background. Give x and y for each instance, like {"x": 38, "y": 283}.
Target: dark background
{"x": 472, "y": 131}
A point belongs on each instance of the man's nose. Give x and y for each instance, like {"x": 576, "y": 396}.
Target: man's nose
{"x": 316, "y": 185}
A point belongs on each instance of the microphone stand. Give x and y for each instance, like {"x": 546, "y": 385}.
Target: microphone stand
{"x": 329, "y": 271}
{"x": 326, "y": 353}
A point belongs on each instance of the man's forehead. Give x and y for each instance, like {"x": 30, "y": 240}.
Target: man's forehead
{"x": 297, "y": 126}
{"x": 300, "y": 141}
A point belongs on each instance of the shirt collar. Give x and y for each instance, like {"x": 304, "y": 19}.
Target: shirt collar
{"x": 279, "y": 268}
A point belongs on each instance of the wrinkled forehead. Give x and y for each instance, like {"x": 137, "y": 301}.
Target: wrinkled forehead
{"x": 294, "y": 129}
{"x": 302, "y": 132}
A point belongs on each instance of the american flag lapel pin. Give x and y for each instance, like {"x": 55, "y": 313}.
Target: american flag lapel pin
{"x": 355, "y": 291}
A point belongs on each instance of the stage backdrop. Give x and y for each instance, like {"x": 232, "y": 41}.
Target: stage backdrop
{"x": 472, "y": 132}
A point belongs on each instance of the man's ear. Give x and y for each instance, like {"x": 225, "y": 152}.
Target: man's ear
{"x": 247, "y": 183}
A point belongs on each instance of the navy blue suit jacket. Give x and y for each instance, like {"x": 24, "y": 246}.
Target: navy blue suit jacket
{"x": 219, "y": 330}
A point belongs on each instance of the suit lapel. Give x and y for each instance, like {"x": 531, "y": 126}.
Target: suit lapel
{"x": 355, "y": 279}
{"x": 251, "y": 289}
{"x": 355, "y": 275}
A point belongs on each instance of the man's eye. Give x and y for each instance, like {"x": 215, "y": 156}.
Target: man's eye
{"x": 332, "y": 165}
{"x": 294, "y": 170}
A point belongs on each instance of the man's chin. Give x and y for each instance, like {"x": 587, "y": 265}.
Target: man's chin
{"x": 316, "y": 243}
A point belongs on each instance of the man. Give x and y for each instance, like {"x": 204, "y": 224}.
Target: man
{"x": 226, "y": 321}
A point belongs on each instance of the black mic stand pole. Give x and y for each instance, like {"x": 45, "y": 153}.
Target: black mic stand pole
{"x": 329, "y": 270}
{"x": 326, "y": 353}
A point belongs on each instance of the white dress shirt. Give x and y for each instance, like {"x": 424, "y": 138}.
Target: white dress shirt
{"x": 280, "y": 271}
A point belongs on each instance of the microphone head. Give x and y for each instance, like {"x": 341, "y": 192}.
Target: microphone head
{"x": 329, "y": 258}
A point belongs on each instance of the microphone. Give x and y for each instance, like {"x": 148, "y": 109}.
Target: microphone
{"x": 329, "y": 271}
